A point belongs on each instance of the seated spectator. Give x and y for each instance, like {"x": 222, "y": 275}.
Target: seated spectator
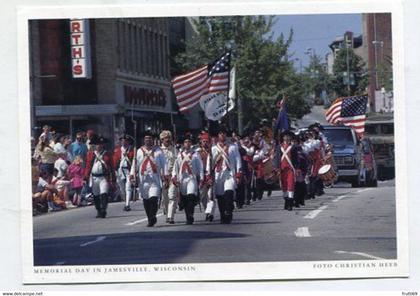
{"x": 46, "y": 192}
{"x": 61, "y": 185}
{"x": 75, "y": 173}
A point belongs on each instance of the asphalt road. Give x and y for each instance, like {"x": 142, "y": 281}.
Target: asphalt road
{"x": 344, "y": 224}
{"x": 317, "y": 114}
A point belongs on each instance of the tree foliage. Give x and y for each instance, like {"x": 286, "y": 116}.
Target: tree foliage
{"x": 357, "y": 67}
{"x": 263, "y": 69}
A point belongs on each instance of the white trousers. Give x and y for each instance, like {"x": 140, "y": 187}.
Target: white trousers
{"x": 188, "y": 185}
{"x": 99, "y": 185}
{"x": 125, "y": 186}
{"x": 206, "y": 200}
{"x": 169, "y": 200}
{"x": 223, "y": 181}
{"x": 149, "y": 186}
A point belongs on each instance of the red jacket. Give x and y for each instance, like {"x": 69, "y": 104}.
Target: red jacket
{"x": 117, "y": 157}
{"x": 107, "y": 158}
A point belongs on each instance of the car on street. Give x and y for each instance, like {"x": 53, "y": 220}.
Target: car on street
{"x": 348, "y": 154}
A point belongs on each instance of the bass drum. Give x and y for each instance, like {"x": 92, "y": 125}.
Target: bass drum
{"x": 327, "y": 174}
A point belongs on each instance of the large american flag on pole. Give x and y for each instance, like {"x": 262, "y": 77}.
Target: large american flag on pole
{"x": 350, "y": 111}
{"x": 211, "y": 78}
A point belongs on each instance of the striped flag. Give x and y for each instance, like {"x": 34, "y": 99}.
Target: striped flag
{"x": 212, "y": 78}
{"x": 350, "y": 111}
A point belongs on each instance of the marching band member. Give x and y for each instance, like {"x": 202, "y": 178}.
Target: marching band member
{"x": 227, "y": 166}
{"x": 123, "y": 160}
{"x": 260, "y": 155}
{"x": 247, "y": 168}
{"x": 286, "y": 162}
{"x": 187, "y": 174}
{"x": 151, "y": 169}
{"x": 99, "y": 171}
{"x": 318, "y": 135}
{"x": 206, "y": 192}
{"x": 312, "y": 147}
{"x": 169, "y": 189}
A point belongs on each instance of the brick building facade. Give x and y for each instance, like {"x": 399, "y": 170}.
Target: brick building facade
{"x": 130, "y": 77}
{"x": 377, "y": 35}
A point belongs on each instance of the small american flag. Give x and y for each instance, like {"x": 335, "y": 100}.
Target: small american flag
{"x": 212, "y": 78}
{"x": 350, "y": 111}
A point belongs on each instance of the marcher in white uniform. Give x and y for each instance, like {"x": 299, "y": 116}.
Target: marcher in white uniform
{"x": 100, "y": 174}
{"x": 151, "y": 170}
{"x": 187, "y": 174}
{"x": 169, "y": 191}
{"x": 206, "y": 191}
{"x": 123, "y": 160}
{"x": 227, "y": 166}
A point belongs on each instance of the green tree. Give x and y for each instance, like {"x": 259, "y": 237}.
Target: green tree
{"x": 263, "y": 69}
{"x": 315, "y": 78}
{"x": 358, "y": 73}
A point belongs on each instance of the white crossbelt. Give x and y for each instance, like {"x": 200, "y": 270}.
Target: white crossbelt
{"x": 224, "y": 156}
{"x": 286, "y": 156}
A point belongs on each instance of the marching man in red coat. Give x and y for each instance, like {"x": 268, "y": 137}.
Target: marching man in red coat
{"x": 99, "y": 172}
{"x": 286, "y": 162}
{"x": 122, "y": 162}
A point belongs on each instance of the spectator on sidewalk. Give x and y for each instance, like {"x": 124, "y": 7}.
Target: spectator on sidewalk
{"x": 75, "y": 173}
{"x": 78, "y": 147}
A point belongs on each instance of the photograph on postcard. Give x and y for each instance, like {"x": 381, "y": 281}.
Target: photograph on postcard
{"x": 180, "y": 141}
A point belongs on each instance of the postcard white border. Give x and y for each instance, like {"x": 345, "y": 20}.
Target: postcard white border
{"x": 212, "y": 272}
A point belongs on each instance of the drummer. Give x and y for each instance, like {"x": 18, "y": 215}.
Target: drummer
{"x": 302, "y": 171}
{"x": 286, "y": 159}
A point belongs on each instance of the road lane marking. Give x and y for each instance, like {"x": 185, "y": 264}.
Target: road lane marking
{"x": 360, "y": 254}
{"x": 361, "y": 190}
{"x": 339, "y": 198}
{"x": 314, "y": 213}
{"x": 60, "y": 263}
{"x": 141, "y": 220}
{"x": 302, "y": 232}
{"x": 98, "y": 239}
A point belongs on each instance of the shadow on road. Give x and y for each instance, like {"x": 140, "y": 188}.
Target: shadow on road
{"x": 133, "y": 248}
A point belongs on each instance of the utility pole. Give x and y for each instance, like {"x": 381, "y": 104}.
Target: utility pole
{"x": 348, "y": 66}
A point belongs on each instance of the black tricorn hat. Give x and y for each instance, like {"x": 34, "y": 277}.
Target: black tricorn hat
{"x": 99, "y": 140}
{"x": 287, "y": 132}
{"x": 224, "y": 129}
{"x": 148, "y": 132}
{"x": 185, "y": 137}
{"x": 127, "y": 137}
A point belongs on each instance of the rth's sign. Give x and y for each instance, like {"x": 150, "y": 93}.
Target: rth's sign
{"x": 80, "y": 48}
{"x": 144, "y": 97}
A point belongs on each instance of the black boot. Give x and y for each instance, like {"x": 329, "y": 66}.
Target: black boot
{"x": 221, "y": 206}
{"x": 104, "y": 204}
{"x": 289, "y": 204}
{"x": 228, "y": 197}
{"x": 154, "y": 206}
{"x": 97, "y": 202}
{"x": 189, "y": 209}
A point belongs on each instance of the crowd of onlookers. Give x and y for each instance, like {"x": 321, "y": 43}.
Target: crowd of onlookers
{"x": 58, "y": 165}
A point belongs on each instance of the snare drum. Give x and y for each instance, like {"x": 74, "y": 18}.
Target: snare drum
{"x": 327, "y": 174}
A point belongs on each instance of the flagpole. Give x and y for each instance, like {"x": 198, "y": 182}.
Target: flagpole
{"x": 228, "y": 90}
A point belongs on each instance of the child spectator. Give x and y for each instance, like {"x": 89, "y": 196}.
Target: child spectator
{"x": 75, "y": 173}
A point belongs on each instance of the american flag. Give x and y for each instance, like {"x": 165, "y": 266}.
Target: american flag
{"x": 350, "y": 111}
{"x": 212, "y": 78}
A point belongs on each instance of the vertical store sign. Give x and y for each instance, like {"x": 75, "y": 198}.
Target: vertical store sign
{"x": 80, "y": 49}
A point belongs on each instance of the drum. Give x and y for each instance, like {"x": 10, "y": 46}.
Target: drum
{"x": 269, "y": 175}
{"x": 327, "y": 174}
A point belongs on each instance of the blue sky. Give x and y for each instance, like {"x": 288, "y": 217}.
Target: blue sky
{"x": 316, "y": 31}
